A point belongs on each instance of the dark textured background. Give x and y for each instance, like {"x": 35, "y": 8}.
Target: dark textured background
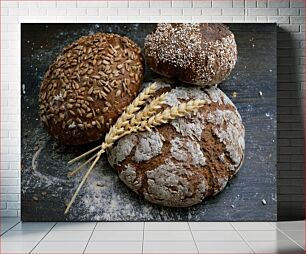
{"x": 45, "y": 189}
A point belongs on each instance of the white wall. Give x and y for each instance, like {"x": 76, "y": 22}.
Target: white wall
{"x": 289, "y": 14}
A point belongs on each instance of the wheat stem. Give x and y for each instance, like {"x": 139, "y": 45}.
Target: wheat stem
{"x": 83, "y": 181}
{"x": 84, "y": 154}
{"x": 75, "y": 171}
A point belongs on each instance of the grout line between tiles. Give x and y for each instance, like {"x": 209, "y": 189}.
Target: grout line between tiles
{"x": 273, "y": 225}
{"x": 159, "y": 230}
{"x": 193, "y": 237}
{"x": 42, "y": 238}
{"x": 143, "y": 232}
{"x": 10, "y": 228}
{"x": 291, "y": 238}
{"x": 247, "y": 243}
{"x": 93, "y": 230}
{"x": 257, "y": 229}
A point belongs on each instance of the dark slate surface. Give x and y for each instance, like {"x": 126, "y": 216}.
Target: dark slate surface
{"x": 45, "y": 188}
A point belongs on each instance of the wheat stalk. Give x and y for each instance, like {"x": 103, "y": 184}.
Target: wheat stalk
{"x": 115, "y": 132}
{"x": 84, "y": 154}
{"x": 129, "y": 112}
{"x": 82, "y": 182}
{"x": 120, "y": 130}
{"x": 75, "y": 171}
{"x": 144, "y": 120}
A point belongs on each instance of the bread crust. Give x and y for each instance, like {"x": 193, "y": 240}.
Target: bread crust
{"x": 199, "y": 54}
{"x": 87, "y": 87}
{"x": 181, "y": 163}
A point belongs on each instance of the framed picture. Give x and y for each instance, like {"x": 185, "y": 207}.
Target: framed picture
{"x": 199, "y": 146}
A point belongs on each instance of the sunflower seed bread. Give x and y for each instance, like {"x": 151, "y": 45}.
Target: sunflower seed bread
{"x": 180, "y": 163}
{"x": 200, "y": 54}
{"x": 87, "y": 87}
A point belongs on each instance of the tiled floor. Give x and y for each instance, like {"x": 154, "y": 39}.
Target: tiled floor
{"x": 151, "y": 237}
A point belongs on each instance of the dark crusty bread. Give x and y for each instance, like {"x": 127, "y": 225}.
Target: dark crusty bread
{"x": 199, "y": 54}
{"x": 87, "y": 87}
{"x": 180, "y": 163}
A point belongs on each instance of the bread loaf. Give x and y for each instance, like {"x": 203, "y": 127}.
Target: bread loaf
{"x": 87, "y": 87}
{"x": 199, "y": 54}
{"x": 181, "y": 163}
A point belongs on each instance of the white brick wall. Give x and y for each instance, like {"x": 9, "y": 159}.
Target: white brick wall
{"x": 288, "y": 13}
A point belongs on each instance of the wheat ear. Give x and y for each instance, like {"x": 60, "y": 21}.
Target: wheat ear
{"x": 140, "y": 100}
{"x": 118, "y": 131}
{"x": 146, "y": 118}
{"x": 149, "y": 110}
{"x": 170, "y": 114}
{"x": 129, "y": 112}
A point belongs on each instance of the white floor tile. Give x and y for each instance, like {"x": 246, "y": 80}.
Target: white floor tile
{"x": 274, "y": 224}
{"x": 111, "y": 247}
{"x": 301, "y": 243}
{"x": 69, "y": 236}
{"x": 223, "y": 247}
{"x": 169, "y": 247}
{"x": 276, "y": 247}
{"x": 60, "y": 247}
{"x": 22, "y": 236}
{"x": 119, "y": 226}
{"x": 167, "y": 236}
{"x": 221, "y": 226}
{"x": 291, "y": 225}
{"x": 33, "y": 226}
{"x": 216, "y": 236}
{"x": 68, "y": 226}
{"x": 17, "y": 247}
{"x": 166, "y": 226}
{"x": 263, "y": 235}
{"x": 3, "y": 230}
{"x": 7, "y": 225}
{"x": 106, "y": 236}
{"x": 252, "y": 226}
{"x": 298, "y": 236}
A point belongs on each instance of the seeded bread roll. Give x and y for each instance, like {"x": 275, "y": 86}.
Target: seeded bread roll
{"x": 180, "y": 163}
{"x": 199, "y": 54}
{"x": 87, "y": 87}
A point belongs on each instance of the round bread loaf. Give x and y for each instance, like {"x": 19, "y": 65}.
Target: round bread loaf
{"x": 87, "y": 87}
{"x": 199, "y": 54}
{"x": 180, "y": 163}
